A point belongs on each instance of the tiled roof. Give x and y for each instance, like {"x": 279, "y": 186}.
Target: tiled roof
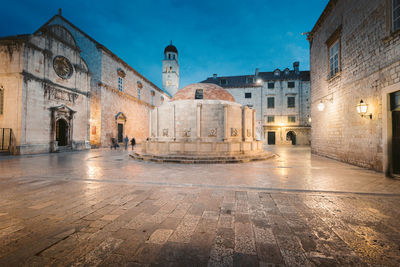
{"x": 242, "y": 80}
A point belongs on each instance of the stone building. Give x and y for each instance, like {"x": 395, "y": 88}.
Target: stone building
{"x": 45, "y": 89}
{"x": 170, "y": 70}
{"x": 203, "y": 122}
{"x": 282, "y": 101}
{"x": 355, "y": 83}
{"x": 106, "y": 97}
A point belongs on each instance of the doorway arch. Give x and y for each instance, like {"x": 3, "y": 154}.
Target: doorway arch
{"x": 62, "y": 132}
{"x": 291, "y": 136}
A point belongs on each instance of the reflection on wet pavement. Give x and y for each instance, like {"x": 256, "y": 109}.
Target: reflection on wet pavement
{"x": 100, "y": 207}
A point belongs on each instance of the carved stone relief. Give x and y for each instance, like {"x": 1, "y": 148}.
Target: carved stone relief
{"x": 186, "y": 132}
{"x": 52, "y": 93}
{"x": 234, "y": 132}
{"x": 165, "y": 132}
{"x": 212, "y": 132}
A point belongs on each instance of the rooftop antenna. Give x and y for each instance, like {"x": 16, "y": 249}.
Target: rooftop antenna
{"x": 59, "y": 11}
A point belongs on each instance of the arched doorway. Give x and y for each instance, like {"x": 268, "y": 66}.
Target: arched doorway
{"x": 62, "y": 132}
{"x": 291, "y": 136}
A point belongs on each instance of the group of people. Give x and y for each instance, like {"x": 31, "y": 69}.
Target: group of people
{"x": 114, "y": 143}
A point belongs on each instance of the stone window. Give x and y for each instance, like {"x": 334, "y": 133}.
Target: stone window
{"x": 152, "y": 97}
{"x": 120, "y": 84}
{"x": 198, "y": 94}
{"x": 1, "y": 100}
{"x": 277, "y": 72}
{"x": 271, "y": 102}
{"x": 396, "y": 15}
{"x": 291, "y": 119}
{"x": 271, "y": 119}
{"x": 223, "y": 82}
{"x": 291, "y": 102}
{"x": 247, "y": 95}
{"x": 290, "y": 84}
{"x": 271, "y": 85}
{"x": 334, "y": 58}
{"x": 139, "y": 92}
{"x": 250, "y": 80}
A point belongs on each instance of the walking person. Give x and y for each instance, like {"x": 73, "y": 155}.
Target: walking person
{"x": 126, "y": 140}
{"x": 133, "y": 142}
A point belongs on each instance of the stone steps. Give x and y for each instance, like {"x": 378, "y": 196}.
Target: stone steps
{"x": 198, "y": 159}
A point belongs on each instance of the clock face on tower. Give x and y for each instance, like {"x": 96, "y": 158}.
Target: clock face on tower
{"x": 62, "y": 67}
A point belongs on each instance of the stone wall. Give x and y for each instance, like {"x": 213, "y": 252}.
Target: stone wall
{"x": 33, "y": 89}
{"x": 370, "y": 62}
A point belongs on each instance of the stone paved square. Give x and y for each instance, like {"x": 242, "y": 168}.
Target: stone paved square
{"x": 102, "y": 208}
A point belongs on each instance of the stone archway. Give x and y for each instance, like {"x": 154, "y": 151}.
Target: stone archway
{"x": 61, "y": 134}
{"x": 291, "y": 136}
{"x": 120, "y": 120}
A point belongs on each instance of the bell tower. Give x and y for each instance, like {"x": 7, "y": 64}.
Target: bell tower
{"x": 170, "y": 70}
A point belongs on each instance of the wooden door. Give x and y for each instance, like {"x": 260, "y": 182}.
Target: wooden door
{"x": 396, "y": 141}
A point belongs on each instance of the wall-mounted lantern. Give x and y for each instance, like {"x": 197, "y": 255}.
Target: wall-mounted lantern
{"x": 321, "y": 106}
{"x": 362, "y": 109}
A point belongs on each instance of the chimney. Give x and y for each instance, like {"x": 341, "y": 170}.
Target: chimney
{"x": 256, "y": 72}
{"x": 214, "y": 76}
{"x": 59, "y": 11}
{"x": 296, "y": 66}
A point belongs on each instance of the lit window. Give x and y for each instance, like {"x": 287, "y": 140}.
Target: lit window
{"x": 139, "y": 92}
{"x": 291, "y": 102}
{"x": 270, "y": 102}
{"x": 120, "y": 84}
{"x": 334, "y": 59}
{"x": 1, "y": 100}
{"x": 396, "y": 15}
{"x": 271, "y": 85}
{"x": 247, "y": 95}
{"x": 290, "y": 84}
{"x": 270, "y": 119}
{"x": 291, "y": 118}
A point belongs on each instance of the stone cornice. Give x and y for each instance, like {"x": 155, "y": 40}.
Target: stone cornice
{"x": 329, "y": 7}
{"x": 122, "y": 94}
{"x": 30, "y": 76}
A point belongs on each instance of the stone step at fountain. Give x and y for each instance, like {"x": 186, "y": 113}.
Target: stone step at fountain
{"x": 198, "y": 159}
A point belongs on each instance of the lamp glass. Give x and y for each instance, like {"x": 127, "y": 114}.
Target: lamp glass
{"x": 362, "y": 108}
{"x": 321, "y": 106}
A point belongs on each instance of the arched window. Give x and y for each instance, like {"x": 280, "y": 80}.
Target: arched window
{"x": 1, "y": 99}
{"x": 170, "y": 69}
{"x": 173, "y": 57}
{"x": 169, "y": 56}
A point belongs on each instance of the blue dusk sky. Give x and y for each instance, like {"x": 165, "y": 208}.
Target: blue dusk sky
{"x": 226, "y": 37}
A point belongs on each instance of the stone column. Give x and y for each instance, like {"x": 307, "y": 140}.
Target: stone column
{"x": 226, "y": 133}
{"x": 151, "y": 124}
{"x": 174, "y": 121}
{"x": 253, "y": 131}
{"x": 156, "y": 124}
{"x": 244, "y": 109}
{"x": 198, "y": 121}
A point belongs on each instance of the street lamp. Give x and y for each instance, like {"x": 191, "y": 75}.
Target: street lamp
{"x": 259, "y": 81}
{"x": 362, "y": 109}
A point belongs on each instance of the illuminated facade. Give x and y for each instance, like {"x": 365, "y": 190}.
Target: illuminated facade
{"x": 281, "y": 99}
{"x": 355, "y": 83}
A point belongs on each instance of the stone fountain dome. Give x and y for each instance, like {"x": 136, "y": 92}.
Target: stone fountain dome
{"x": 208, "y": 91}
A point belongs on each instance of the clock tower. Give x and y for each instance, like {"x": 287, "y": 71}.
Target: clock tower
{"x": 170, "y": 70}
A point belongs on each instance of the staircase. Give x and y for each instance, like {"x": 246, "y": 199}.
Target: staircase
{"x": 7, "y": 141}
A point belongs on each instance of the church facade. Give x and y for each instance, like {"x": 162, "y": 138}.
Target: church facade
{"x": 281, "y": 99}
{"x": 60, "y": 90}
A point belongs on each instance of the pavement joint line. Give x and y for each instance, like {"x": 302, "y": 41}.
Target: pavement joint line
{"x": 224, "y": 187}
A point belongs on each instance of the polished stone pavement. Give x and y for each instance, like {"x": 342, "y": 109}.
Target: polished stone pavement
{"x": 101, "y": 207}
